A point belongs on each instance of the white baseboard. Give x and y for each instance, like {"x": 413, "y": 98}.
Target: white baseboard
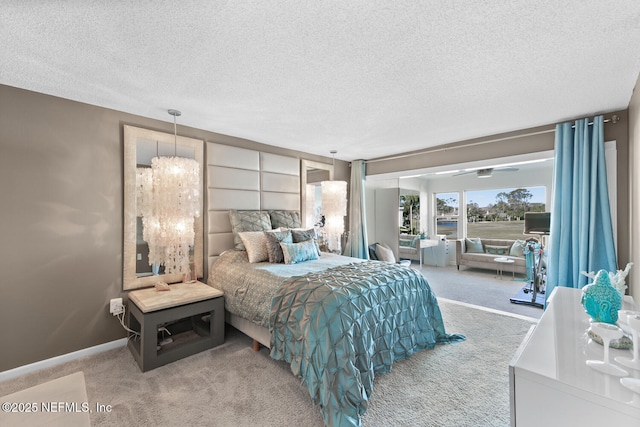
{"x": 47, "y": 363}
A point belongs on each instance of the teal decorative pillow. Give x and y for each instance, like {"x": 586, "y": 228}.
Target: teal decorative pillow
{"x": 274, "y": 238}
{"x": 247, "y": 221}
{"x": 299, "y": 252}
{"x": 303, "y": 235}
{"x": 473, "y": 245}
{"x": 405, "y": 243}
{"x": 517, "y": 249}
{"x": 497, "y": 250}
{"x": 285, "y": 219}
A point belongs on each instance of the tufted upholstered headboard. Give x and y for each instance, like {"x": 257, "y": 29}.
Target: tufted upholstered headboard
{"x": 243, "y": 179}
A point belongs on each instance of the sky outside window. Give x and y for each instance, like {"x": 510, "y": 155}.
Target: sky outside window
{"x": 485, "y": 198}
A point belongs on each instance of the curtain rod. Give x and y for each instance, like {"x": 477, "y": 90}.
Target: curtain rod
{"x": 614, "y": 119}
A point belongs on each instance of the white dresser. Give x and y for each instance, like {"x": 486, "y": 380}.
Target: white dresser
{"x": 551, "y": 385}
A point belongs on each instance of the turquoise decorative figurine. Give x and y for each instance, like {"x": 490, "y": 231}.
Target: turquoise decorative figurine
{"x": 601, "y": 300}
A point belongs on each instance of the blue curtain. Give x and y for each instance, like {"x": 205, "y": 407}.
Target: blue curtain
{"x": 357, "y": 241}
{"x": 581, "y": 237}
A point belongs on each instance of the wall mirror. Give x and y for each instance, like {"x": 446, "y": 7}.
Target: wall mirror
{"x": 311, "y": 175}
{"x": 410, "y": 222}
{"x": 140, "y": 146}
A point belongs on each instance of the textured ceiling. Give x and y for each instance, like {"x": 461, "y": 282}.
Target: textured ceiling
{"x": 367, "y": 78}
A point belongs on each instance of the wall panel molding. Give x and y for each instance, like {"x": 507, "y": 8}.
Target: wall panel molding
{"x": 243, "y": 179}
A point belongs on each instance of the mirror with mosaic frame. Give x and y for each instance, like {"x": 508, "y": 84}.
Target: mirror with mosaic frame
{"x": 140, "y": 145}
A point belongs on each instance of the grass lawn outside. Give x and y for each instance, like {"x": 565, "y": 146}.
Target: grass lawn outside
{"x": 510, "y": 230}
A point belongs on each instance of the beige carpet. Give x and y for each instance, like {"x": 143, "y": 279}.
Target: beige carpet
{"x": 464, "y": 384}
{"x": 478, "y": 287}
{"x": 60, "y": 402}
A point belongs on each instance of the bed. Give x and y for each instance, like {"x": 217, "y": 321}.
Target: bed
{"x": 337, "y": 321}
{"x": 384, "y": 313}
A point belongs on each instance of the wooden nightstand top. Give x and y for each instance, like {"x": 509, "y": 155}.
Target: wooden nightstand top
{"x": 181, "y": 293}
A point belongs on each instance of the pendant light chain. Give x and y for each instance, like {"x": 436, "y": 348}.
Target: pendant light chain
{"x": 175, "y": 113}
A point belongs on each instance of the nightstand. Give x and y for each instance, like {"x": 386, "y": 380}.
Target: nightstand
{"x": 193, "y": 313}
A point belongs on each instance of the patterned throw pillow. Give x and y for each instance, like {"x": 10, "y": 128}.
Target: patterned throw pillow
{"x": 299, "y": 252}
{"x": 517, "y": 249}
{"x": 473, "y": 245}
{"x": 497, "y": 250}
{"x": 302, "y": 235}
{"x": 285, "y": 219}
{"x": 247, "y": 221}
{"x": 405, "y": 243}
{"x": 273, "y": 244}
{"x": 255, "y": 243}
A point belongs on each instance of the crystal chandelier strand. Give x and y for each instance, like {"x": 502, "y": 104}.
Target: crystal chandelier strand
{"x": 334, "y": 208}
{"x": 176, "y": 186}
{"x": 168, "y": 199}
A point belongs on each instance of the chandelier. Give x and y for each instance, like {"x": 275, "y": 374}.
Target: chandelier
{"x": 168, "y": 199}
{"x": 334, "y": 209}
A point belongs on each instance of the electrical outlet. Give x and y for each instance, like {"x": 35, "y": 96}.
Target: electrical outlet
{"x": 115, "y": 306}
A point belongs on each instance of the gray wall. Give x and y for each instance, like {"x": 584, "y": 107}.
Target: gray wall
{"x": 61, "y": 217}
{"x": 515, "y": 143}
{"x": 61, "y": 221}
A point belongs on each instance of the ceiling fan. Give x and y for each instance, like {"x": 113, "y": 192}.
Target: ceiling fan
{"x": 488, "y": 172}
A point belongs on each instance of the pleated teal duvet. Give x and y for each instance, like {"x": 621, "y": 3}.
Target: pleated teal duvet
{"x": 340, "y": 327}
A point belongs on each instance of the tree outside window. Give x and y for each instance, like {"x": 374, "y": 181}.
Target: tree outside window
{"x": 410, "y": 207}
{"x": 499, "y": 213}
{"x": 447, "y": 208}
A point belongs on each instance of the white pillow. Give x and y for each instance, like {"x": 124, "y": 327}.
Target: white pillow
{"x": 255, "y": 243}
{"x": 385, "y": 254}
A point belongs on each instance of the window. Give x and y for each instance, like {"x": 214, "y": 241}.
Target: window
{"x": 410, "y": 213}
{"x": 499, "y": 213}
{"x": 447, "y": 207}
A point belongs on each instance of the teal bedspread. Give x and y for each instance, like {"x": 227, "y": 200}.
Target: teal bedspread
{"x": 340, "y": 327}
{"x": 249, "y": 288}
